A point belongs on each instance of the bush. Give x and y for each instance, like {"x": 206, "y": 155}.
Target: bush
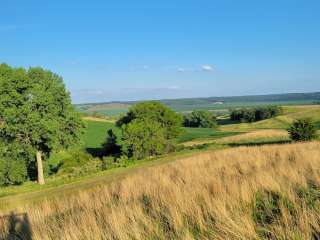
{"x": 302, "y": 130}
{"x": 200, "y": 119}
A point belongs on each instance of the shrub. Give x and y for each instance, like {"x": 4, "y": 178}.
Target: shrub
{"x": 302, "y": 130}
{"x": 200, "y": 119}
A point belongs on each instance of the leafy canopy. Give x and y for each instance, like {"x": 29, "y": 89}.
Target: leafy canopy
{"x": 36, "y": 113}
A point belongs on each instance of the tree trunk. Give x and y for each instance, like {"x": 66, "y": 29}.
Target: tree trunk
{"x": 40, "y": 168}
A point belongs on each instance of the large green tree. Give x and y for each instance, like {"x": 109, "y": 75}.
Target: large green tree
{"x": 36, "y": 114}
{"x": 149, "y": 128}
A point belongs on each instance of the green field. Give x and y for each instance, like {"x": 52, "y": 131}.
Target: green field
{"x": 96, "y": 133}
{"x": 190, "y": 134}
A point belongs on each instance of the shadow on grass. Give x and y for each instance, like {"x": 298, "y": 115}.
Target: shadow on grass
{"x": 226, "y": 121}
{"x": 259, "y": 143}
{"x": 18, "y": 227}
{"x": 95, "y": 152}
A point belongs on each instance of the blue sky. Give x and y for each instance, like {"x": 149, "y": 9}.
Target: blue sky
{"x": 129, "y": 50}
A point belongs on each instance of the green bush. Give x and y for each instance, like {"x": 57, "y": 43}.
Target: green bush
{"x": 302, "y": 130}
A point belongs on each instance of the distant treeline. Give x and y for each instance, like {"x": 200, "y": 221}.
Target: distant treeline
{"x": 255, "y": 114}
{"x": 200, "y": 119}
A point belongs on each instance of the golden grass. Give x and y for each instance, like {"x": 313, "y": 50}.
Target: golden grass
{"x": 254, "y": 137}
{"x": 241, "y": 193}
{"x": 258, "y": 135}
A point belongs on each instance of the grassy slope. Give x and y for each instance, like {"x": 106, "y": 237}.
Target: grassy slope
{"x": 269, "y": 192}
{"x": 202, "y": 133}
{"x": 31, "y": 192}
{"x": 281, "y": 122}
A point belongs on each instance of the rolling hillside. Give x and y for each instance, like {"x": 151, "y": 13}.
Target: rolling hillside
{"x": 218, "y": 104}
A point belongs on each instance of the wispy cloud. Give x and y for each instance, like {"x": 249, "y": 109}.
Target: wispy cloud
{"x": 207, "y": 68}
{"x": 203, "y": 68}
{"x": 11, "y": 27}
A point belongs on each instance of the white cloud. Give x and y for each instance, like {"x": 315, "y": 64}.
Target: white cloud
{"x": 206, "y": 68}
{"x": 203, "y": 68}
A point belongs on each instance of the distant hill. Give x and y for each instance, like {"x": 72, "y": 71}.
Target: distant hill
{"x": 208, "y": 103}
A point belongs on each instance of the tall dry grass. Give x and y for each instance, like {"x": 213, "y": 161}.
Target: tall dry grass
{"x": 269, "y": 192}
{"x": 266, "y": 135}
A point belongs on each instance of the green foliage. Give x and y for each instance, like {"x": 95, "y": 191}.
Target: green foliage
{"x": 145, "y": 138}
{"x": 200, "y": 119}
{"x": 36, "y": 113}
{"x": 13, "y": 164}
{"x": 149, "y": 129}
{"x": 310, "y": 195}
{"x": 267, "y": 209}
{"x": 302, "y": 130}
{"x": 255, "y": 114}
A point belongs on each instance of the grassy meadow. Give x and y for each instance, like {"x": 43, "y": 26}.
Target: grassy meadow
{"x": 267, "y": 192}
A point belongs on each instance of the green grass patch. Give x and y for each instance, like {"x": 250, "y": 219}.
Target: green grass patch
{"x": 202, "y": 133}
{"x": 96, "y": 133}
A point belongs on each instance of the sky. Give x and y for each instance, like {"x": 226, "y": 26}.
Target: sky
{"x": 142, "y": 49}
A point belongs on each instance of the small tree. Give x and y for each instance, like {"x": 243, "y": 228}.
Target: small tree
{"x": 36, "y": 114}
{"x": 302, "y": 130}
